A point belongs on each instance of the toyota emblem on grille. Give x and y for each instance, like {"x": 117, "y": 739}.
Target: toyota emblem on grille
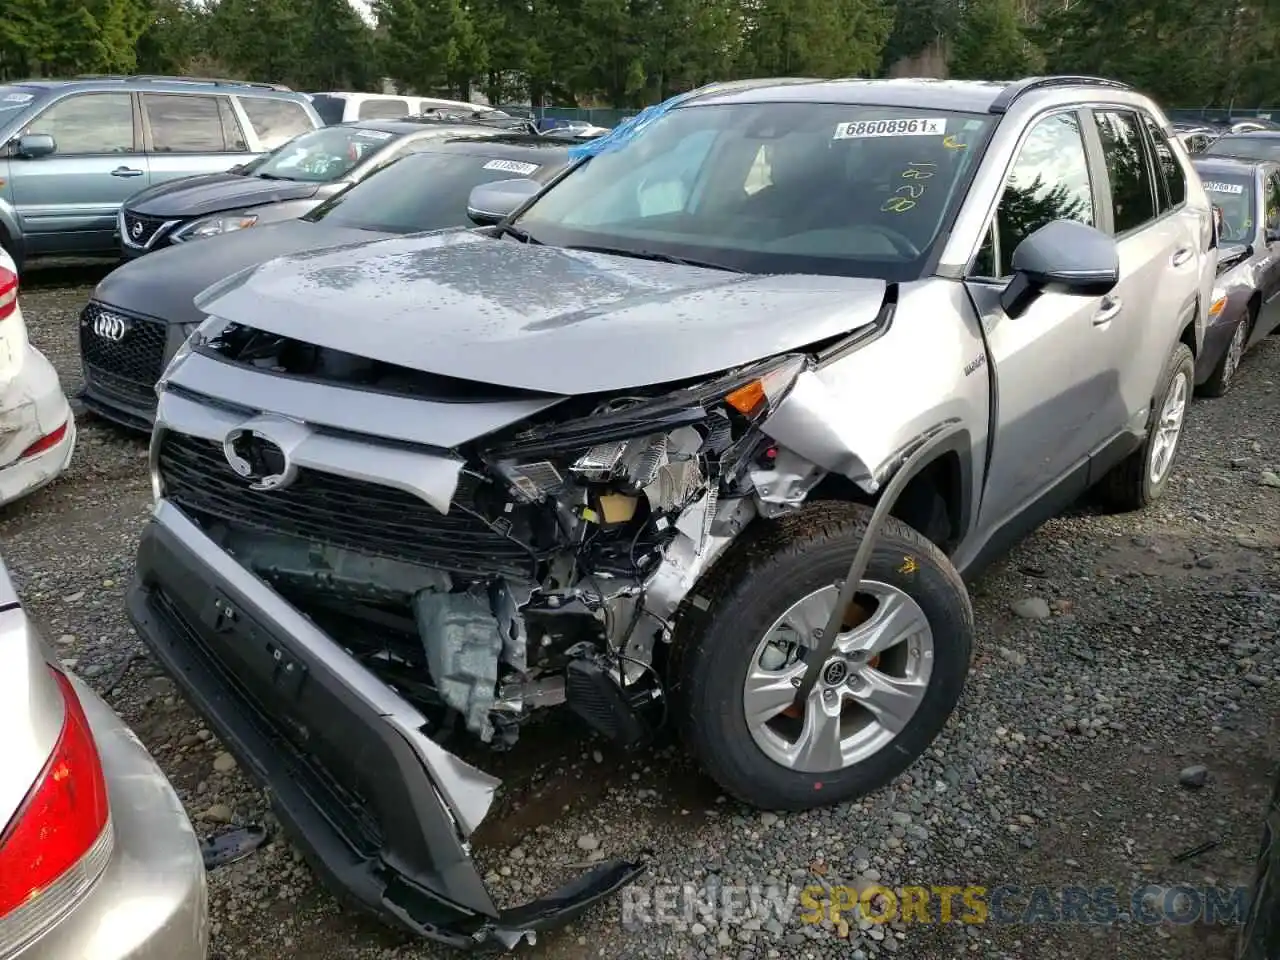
{"x": 261, "y": 451}
{"x": 136, "y": 230}
{"x": 110, "y": 326}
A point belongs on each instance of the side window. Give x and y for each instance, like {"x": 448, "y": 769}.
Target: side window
{"x": 184, "y": 124}
{"x": 1133, "y": 190}
{"x": 89, "y": 123}
{"x": 1173, "y": 182}
{"x": 275, "y": 121}
{"x": 232, "y": 134}
{"x": 1048, "y": 181}
{"x": 384, "y": 109}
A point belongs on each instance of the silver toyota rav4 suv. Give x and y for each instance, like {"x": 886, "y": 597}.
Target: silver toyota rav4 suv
{"x": 710, "y": 430}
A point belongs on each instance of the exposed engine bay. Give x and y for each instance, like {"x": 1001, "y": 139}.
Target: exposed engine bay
{"x": 570, "y": 544}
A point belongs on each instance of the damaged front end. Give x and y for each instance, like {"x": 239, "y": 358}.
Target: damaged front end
{"x": 538, "y": 562}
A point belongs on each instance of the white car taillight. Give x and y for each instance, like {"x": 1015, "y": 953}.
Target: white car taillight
{"x": 60, "y": 839}
{"x": 8, "y": 293}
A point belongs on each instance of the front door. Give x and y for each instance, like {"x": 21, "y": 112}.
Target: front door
{"x": 1269, "y": 272}
{"x": 1045, "y": 360}
{"x": 67, "y": 202}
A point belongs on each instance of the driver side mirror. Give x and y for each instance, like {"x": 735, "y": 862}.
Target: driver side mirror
{"x": 492, "y": 203}
{"x": 1066, "y": 256}
{"x": 36, "y": 145}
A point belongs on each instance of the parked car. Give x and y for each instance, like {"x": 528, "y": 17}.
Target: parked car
{"x": 285, "y": 184}
{"x": 1259, "y": 937}
{"x": 1255, "y": 145}
{"x": 142, "y": 311}
{"x": 37, "y": 429}
{"x": 340, "y": 107}
{"x": 1245, "y": 306}
{"x": 617, "y": 451}
{"x": 97, "y": 858}
{"x": 80, "y": 148}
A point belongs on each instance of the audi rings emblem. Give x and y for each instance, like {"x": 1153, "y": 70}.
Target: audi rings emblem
{"x": 110, "y": 326}
{"x": 136, "y": 230}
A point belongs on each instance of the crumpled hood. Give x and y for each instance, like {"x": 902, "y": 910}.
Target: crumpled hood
{"x": 533, "y": 317}
{"x": 164, "y": 283}
{"x": 197, "y": 196}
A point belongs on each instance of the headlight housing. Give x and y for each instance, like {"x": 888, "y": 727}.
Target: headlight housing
{"x": 214, "y": 226}
{"x": 654, "y": 445}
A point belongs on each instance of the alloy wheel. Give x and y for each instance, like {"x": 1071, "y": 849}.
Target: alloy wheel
{"x": 870, "y": 687}
{"x": 1169, "y": 428}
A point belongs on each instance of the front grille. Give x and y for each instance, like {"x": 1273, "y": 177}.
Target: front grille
{"x": 326, "y": 508}
{"x": 123, "y": 355}
{"x": 139, "y": 230}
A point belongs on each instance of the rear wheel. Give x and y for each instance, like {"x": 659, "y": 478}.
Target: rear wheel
{"x": 1224, "y": 373}
{"x": 1141, "y": 478}
{"x": 885, "y": 691}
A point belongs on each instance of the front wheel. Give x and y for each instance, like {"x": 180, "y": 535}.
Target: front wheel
{"x": 891, "y": 682}
{"x": 1224, "y": 373}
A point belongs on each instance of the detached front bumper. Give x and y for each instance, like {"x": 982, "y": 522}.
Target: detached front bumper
{"x": 32, "y": 408}
{"x": 382, "y": 811}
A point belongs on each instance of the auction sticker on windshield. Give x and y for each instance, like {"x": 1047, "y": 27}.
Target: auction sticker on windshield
{"x": 1213, "y": 187}
{"x": 511, "y": 166}
{"x": 374, "y": 134}
{"x": 906, "y": 127}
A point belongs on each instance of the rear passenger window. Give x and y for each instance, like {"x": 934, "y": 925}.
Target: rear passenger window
{"x": 88, "y": 123}
{"x": 384, "y": 109}
{"x": 275, "y": 121}
{"x": 1048, "y": 181}
{"x": 184, "y": 124}
{"x": 1173, "y": 184}
{"x": 1133, "y": 189}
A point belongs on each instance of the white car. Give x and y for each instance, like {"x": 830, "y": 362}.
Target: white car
{"x": 37, "y": 429}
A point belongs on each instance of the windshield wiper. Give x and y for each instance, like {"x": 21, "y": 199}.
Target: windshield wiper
{"x": 524, "y": 236}
{"x": 654, "y": 255}
{"x": 272, "y": 176}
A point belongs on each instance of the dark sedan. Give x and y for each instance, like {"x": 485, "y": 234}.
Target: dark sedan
{"x": 1245, "y": 307}
{"x": 142, "y": 312}
{"x": 281, "y": 185}
{"x": 1247, "y": 145}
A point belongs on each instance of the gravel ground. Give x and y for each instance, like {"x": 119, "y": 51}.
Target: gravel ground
{"x": 1114, "y": 655}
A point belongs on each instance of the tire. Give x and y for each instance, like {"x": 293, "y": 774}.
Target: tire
{"x": 1260, "y": 934}
{"x": 1129, "y": 485}
{"x": 788, "y": 559}
{"x": 11, "y": 248}
{"x": 1224, "y": 373}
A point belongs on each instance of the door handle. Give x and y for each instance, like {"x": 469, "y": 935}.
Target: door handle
{"x": 1182, "y": 256}
{"x": 126, "y": 172}
{"x": 1108, "y": 310}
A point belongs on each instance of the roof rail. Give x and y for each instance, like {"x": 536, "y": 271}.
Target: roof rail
{"x": 161, "y": 78}
{"x": 732, "y": 86}
{"x": 1013, "y": 91}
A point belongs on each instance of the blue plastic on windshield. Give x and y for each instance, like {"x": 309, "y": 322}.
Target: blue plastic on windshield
{"x": 626, "y": 131}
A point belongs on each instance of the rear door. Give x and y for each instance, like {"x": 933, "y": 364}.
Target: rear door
{"x": 191, "y": 133}
{"x": 1159, "y": 270}
{"x": 67, "y": 202}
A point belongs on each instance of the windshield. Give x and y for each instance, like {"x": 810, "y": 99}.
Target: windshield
{"x": 1233, "y": 194}
{"x": 424, "y": 191}
{"x": 773, "y": 188}
{"x": 321, "y": 155}
{"x": 15, "y": 99}
{"x": 1250, "y": 148}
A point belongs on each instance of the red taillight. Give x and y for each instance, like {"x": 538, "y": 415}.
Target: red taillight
{"x": 47, "y": 442}
{"x": 61, "y": 820}
{"x": 8, "y": 292}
